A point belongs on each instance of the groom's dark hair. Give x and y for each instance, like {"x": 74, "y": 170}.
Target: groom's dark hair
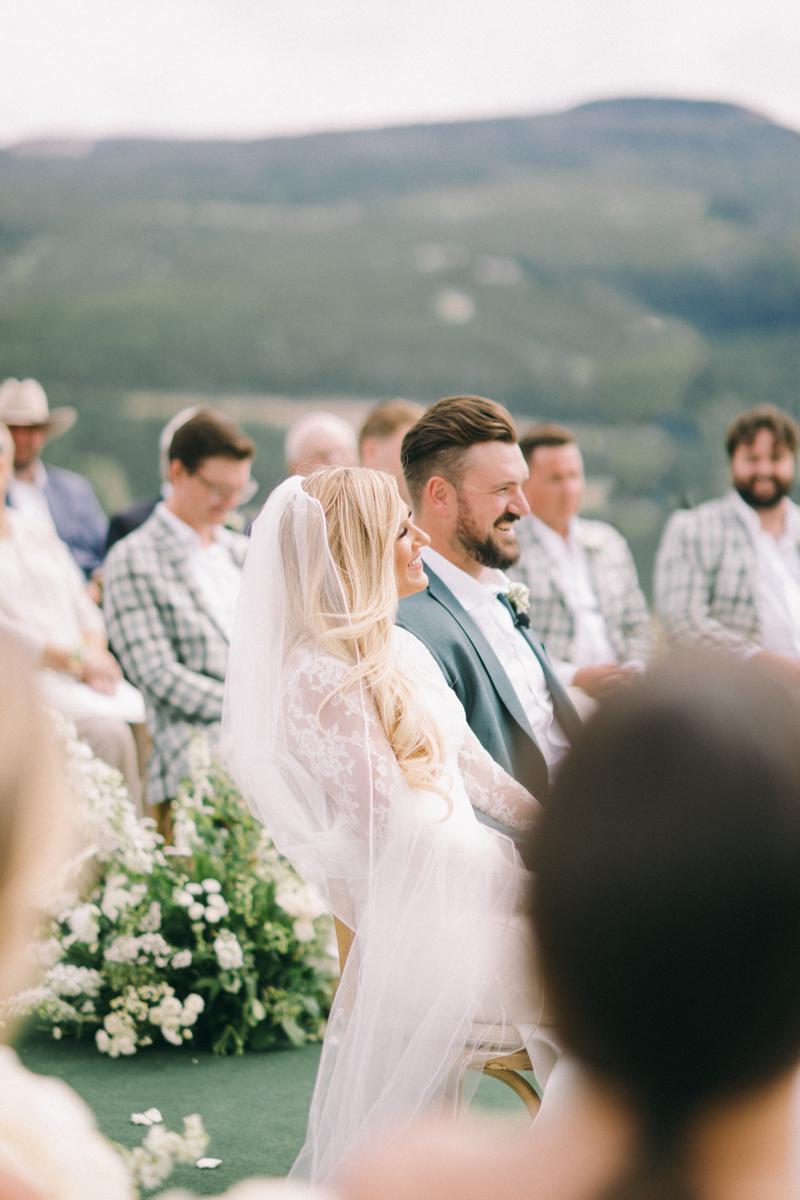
{"x": 436, "y": 445}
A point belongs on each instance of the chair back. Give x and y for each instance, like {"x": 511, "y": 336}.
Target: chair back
{"x": 344, "y": 940}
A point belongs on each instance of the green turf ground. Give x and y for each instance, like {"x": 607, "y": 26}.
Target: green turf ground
{"x": 254, "y": 1106}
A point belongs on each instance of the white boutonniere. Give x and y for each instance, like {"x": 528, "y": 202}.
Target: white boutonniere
{"x": 519, "y": 597}
{"x": 592, "y": 540}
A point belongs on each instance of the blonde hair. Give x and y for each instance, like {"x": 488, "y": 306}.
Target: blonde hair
{"x": 35, "y": 834}
{"x": 363, "y": 512}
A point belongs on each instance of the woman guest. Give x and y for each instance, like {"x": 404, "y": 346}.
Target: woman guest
{"x": 50, "y": 1147}
{"x": 349, "y": 746}
{"x": 44, "y": 605}
{"x": 667, "y": 908}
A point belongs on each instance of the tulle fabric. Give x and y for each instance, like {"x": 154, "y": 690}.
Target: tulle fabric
{"x": 434, "y": 897}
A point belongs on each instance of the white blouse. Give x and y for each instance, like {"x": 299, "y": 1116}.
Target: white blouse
{"x": 42, "y": 599}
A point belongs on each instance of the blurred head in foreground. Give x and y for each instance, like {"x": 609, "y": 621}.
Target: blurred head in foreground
{"x": 667, "y": 901}
{"x": 35, "y": 830}
{"x": 320, "y": 439}
{"x": 381, "y": 438}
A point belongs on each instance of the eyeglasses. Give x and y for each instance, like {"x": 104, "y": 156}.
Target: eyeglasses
{"x": 224, "y": 492}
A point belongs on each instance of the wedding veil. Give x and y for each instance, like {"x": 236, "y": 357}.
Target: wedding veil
{"x": 306, "y": 748}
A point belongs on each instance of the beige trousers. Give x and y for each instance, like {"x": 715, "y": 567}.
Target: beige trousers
{"x": 113, "y": 741}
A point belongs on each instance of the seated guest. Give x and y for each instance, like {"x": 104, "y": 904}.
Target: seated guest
{"x": 170, "y": 593}
{"x": 320, "y": 439}
{"x": 728, "y": 572}
{"x": 131, "y": 518}
{"x": 667, "y": 911}
{"x": 55, "y": 497}
{"x": 381, "y": 438}
{"x": 44, "y": 604}
{"x": 50, "y": 1146}
{"x": 585, "y": 601}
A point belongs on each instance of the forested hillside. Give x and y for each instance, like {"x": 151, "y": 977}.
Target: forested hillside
{"x": 631, "y": 265}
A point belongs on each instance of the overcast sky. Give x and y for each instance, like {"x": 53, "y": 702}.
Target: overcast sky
{"x": 248, "y": 68}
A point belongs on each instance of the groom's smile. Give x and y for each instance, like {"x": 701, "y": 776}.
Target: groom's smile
{"x": 490, "y": 502}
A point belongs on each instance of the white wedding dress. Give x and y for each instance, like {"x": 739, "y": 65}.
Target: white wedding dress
{"x": 436, "y": 898}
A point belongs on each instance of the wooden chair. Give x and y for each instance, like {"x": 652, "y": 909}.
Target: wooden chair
{"x": 505, "y": 1067}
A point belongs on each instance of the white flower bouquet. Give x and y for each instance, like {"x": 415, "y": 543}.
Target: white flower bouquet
{"x": 215, "y": 939}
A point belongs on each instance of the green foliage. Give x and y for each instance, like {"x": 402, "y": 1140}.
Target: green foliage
{"x": 214, "y": 939}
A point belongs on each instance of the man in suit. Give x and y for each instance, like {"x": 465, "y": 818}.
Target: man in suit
{"x": 381, "y": 436}
{"x": 62, "y": 499}
{"x": 170, "y": 594}
{"x": 586, "y": 603}
{"x": 465, "y": 472}
{"x": 123, "y": 523}
{"x": 728, "y": 572}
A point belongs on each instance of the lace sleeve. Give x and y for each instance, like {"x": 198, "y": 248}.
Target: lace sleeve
{"x": 339, "y": 742}
{"x": 491, "y": 790}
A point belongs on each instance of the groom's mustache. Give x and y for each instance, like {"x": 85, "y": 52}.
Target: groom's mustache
{"x": 505, "y": 518}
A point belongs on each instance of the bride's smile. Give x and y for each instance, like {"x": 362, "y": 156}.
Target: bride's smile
{"x": 408, "y": 563}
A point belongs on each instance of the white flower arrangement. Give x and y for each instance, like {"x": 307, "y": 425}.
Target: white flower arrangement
{"x": 215, "y": 938}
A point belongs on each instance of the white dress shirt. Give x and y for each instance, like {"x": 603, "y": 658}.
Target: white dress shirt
{"x": 591, "y": 645}
{"x": 778, "y": 598}
{"x": 29, "y": 497}
{"x": 479, "y": 598}
{"x": 216, "y": 573}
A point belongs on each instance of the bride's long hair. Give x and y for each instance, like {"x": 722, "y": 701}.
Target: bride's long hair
{"x": 363, "y": 514}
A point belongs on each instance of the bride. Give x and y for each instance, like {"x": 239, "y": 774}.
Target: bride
{"x": 351, "y": 749}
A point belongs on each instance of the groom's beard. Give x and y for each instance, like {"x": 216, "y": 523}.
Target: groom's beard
{"x": 486, "y": 550}
{"x": 751, "y": 497}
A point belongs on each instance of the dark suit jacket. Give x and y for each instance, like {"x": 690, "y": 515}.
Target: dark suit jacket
{"x": 473, "y": 671}
{"x": 128, "y": 520}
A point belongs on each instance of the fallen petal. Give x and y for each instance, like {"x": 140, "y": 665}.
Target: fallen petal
{"x": 208, "y": 1162}
{"x": 154, "y": 1115}
{"x": 140, "y": 1119}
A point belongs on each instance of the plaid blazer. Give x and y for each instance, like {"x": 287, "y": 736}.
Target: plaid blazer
{"x": 168, "y": 643}
{"x": 706, "y": 579}
{"x": 616, "y": 586}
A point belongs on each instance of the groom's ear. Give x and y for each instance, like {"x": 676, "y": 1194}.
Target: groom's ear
{"x": 441, "y": 496}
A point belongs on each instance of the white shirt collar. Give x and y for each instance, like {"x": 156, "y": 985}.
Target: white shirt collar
{"x": 791, "y": 523}
{"x": 469, "y": 592}
{"x": 185, "y": 534}
{"x": 554, "y": 541}
{"x": 39, "y": 476}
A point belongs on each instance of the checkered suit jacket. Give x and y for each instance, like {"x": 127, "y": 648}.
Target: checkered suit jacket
{"x": 706, "y": 580}
{"x": 616, "y": 586}
{"x": 168, "y": 643}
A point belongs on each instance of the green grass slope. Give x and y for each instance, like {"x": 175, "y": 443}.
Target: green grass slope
{"x": 630, "y": 265}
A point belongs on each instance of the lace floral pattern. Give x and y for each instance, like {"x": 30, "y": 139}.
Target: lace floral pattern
{"x": 339, "y": 740}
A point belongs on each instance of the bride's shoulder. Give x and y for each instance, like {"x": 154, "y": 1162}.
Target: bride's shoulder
{"x": 414, "y": 655}
{"x": 308, "y": 661}
{"x": 310, "y": 667}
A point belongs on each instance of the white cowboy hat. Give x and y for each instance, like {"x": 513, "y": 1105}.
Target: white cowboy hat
{"x": 23, "y": 402}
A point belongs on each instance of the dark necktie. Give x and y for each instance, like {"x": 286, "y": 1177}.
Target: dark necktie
{"x": 520, "y": 619}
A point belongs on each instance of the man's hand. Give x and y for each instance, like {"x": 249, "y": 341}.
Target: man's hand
{"x": 101, "y": 671}
{"x": 601, "y": 681}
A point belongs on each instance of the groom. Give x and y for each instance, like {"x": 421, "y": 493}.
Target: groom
{"x": 464, "y": 472}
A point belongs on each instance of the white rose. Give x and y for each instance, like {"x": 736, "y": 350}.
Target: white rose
{"x": 212, "y": 885}
{"x": 228, "y": 951}
{"x": 197, "y": 912}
